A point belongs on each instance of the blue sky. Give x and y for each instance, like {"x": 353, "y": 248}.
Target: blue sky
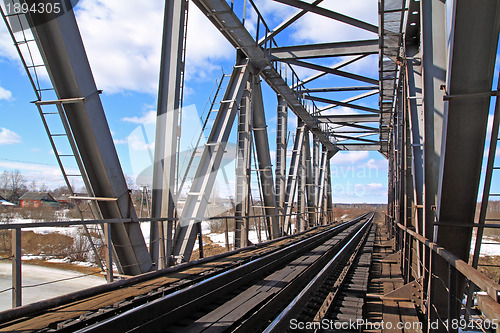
{"x": 123, "y": 45}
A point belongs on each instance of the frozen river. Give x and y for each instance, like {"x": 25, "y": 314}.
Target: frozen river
{"x": 34, "y": 275}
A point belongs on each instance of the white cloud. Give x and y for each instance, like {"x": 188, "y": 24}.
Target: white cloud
{"x": 41, "y": 173}
{"x": 5, "y": 94}
{"x": 8, "y": 137}
{"x": 7, "y": 48}
{"x": 374, "y": 187}
{"x": 137, "y": 143}
{"x": 123, "y": 42}
{"x": 349, "y": 157}
{"x": 147, "y": 118}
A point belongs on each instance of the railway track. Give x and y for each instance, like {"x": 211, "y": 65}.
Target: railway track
{"x": 236, "y": 291}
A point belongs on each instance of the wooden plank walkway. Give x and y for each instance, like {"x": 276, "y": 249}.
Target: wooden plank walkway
{"x": 387, "y": 315}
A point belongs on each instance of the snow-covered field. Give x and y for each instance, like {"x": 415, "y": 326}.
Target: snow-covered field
{"x": 35, "y": 275}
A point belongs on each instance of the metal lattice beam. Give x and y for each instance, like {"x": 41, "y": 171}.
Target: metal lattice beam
{"x": 340, "y": 49}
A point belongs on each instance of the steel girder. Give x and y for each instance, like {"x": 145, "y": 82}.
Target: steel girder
{"x": 350, "y": 118}
{"x": 336, "y": 89}
{"x": 330, "y": 70}
{"x": 340, "y": 49}
{"x": 302, "y": 182}
{"x": 472, "y": 55}
{"x": 433, "y": 16}
{"x": 281, "y": 147}
{"x": 413, "y": 77}
{"x": 320, "y": 190}
{"x": 293, "y": 174}
{"x": 316, "y": 156}
{"x": 264, "y": 159}
{"x": 64, "y": 55}
{"x": 309, "y": 180}
{"x": 206, "y": 173}
{"x": 167, "y": 120}
{"x": 352, "y": 99}
{"x": 243, "y": 174}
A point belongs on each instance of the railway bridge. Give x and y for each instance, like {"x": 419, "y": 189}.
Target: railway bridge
{"x": 432, "y": 111}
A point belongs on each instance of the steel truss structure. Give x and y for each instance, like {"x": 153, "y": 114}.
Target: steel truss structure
{"x": 434, "y": 88}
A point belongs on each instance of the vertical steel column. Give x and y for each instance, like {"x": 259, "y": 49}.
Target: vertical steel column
{"x": 413, "y": 83}
{"x": 409, "y": 200}
{"x": 434, "y": 64}
{"x": 320, "y": 199}
{"x": 242, "y": 209}
{"x": 17, "y": 286}
{"x": 315, "y": 174}
{"x": 206, "y": 173}
{"x": 329, "y": 196}
{"x": 311, "y": 219}
{"x": 301, "y": 193}
{"x": 64, "y": 55}
{"x": 264, "y": 158}
{"x": 472, "y": 55}
{"x": 165, "y": 161}
{"x": 281, "y": 147}
{"x": 293, "y": 174}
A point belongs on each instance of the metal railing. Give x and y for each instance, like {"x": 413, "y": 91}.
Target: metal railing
{"x": 16, "y": 254}
{"x": 487, "y": 301}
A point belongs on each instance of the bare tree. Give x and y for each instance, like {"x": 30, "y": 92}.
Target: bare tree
{"x": 13, "y": 184}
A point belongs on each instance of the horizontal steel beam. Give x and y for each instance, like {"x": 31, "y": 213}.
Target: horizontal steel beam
{"x": 347, "y": 137}
{"x": 323, "y": 72}
{"x": 357, "y": 147}
{"x": 337, "y": 89}
{"x": 350, "y": 118}
{"x": 330, "y": 70}
{"x": 340, "y": 103}
{"x": 340, "y": 49}
{"x": 350, "y": 99}
{"x": 357, "y": 125}
{"x": 331, "y": 14}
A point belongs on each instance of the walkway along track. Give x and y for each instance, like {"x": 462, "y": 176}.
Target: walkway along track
{"x": 174, "y": 286}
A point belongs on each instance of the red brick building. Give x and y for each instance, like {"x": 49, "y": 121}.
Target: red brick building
{"x": 37, "y": 199}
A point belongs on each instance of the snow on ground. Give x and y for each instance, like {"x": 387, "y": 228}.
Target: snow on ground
{"x": 34, "y": 275}
{"x": 490, "y": 249}
{"x": 220, "y": 239}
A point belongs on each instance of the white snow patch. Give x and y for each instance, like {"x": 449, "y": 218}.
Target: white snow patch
{"x": 34, "y": 275}
{"x": 490, "y": 249}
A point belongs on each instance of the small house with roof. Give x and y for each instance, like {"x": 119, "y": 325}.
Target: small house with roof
{"x": 38, "y": 199}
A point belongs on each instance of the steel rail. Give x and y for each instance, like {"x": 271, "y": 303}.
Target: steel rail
{"x": 170, "y": 308}
{"x": 279, "y": 323}
{"x": 33, "y": 309}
